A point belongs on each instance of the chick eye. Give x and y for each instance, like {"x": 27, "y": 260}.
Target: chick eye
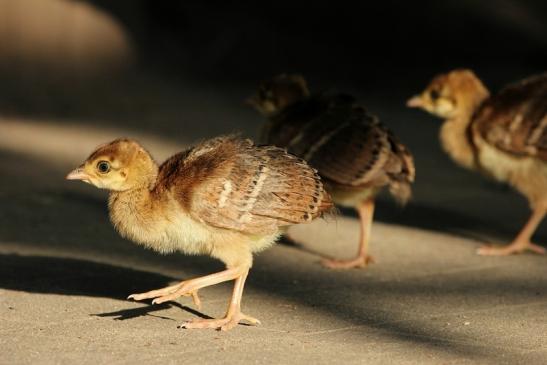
{"x": 103, "y": 167}
{"x": 434, "y": 94}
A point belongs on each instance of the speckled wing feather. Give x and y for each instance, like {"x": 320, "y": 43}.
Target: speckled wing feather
{"x": 283, "y": 127}
{"x": 352, "y": 153}
{"x": 515, "y": 120}
{"x": 229, "y": 183}
{"x": 400, "y": 169}
{"x": 349, "y": 147}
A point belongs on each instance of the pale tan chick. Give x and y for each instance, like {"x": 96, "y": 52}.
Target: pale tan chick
{"x": 353, "y": 152}
{"x": 225, "y": 198}
{"x": 504, "y": 136}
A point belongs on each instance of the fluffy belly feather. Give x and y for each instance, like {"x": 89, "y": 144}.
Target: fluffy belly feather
{"x": 177, "y": 231}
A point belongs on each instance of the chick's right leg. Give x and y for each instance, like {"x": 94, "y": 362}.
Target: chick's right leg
{"x": 233, "y": 315}
{"x": 362, "y": 259}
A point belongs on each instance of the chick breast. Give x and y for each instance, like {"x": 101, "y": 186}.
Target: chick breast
{"x": 230, "y": 183}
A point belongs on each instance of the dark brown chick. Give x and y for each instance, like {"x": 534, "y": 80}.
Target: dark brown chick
{"x": 225, "y": 198}
{"x": 354, "y": 153}
{"x": 503, "y": 136}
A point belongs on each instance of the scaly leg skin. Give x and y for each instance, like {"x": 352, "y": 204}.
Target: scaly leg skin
{"x": 366, "y": 212}
{"x": 233, "y": 315}
{"x": 522, "y": 241}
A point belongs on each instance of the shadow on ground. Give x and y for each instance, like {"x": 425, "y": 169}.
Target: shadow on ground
{"x": 66, "y": 276}
{"x": 53, "y": 275}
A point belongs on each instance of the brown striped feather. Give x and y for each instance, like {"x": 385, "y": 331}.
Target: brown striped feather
{"x": 350, "y": 148}
{"x": 230, "y": 183}
{"x": 515, "y": 120}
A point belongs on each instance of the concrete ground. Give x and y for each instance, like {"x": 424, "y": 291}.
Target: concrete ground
{"x": 65, "y": 273}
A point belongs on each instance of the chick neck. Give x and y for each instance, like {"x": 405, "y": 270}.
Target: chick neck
{"x": 145, "y": 178}
{"x": 455, "y": 134}
{"x": 137, "y": 198}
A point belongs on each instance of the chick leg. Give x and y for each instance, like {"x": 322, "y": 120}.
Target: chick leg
{"x": 366, "y": 212}
{"x": 188, "y": 287}
{"x": 233, "y": 314}
{"x": 166, "y": 291}
{"x": 522, "y": 242}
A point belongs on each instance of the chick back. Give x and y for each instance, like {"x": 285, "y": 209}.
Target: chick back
{"x": 230, "y": 183}
{"x": 349, "y": 147}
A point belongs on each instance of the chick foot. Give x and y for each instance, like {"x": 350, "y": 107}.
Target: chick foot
{"x": 223, "y": 324}
{"x": 514, "y": 248}
{"x": 356, "y": 263}
{"x": 168, "y": 293}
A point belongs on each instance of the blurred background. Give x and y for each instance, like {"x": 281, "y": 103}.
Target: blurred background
{"x": 76, "y": 73}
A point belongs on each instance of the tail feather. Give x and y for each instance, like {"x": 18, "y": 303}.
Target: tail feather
{"x": 401, "y": 191}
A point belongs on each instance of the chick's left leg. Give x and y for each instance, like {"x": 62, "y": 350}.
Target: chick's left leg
{"x": 233, "y": 315}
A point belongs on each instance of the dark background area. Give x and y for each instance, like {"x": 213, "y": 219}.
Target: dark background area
{"x": 371, "y": 43}
{"x": 388, "y": 48}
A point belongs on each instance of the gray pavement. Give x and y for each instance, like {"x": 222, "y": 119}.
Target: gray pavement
{"x": 64, "y": 272}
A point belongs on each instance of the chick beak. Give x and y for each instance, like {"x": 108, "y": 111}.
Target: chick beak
{"x": 77, "y": 174}
{"x": 415, "y": 102}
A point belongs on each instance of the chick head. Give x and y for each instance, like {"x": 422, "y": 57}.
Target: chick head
{"x": 119, "y": 165}
{"x": 450, "y": 94}
{"x": 278, "y": 93}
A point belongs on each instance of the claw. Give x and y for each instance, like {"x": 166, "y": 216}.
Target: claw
{"x": 137, "y": 297}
